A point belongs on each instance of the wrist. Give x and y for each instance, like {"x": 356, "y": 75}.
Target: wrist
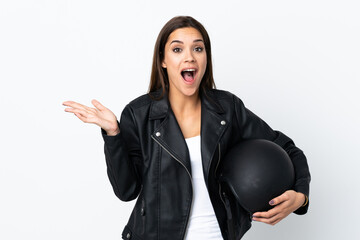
{"x": 303, "y": 199}
{"x": 112, "y": 129}
{"x": 113, "y": 132}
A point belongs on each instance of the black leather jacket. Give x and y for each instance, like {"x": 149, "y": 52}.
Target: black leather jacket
{"x": 149, "y": 159}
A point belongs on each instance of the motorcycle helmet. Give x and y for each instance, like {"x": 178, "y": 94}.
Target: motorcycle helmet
{"x": 257, "y": 171}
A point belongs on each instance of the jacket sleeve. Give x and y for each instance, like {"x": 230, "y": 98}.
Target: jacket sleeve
{"x": 253, "y": 127}
{"x": 123, "y": 157}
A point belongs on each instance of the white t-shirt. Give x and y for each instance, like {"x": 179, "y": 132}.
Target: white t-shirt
{"x": 202, "y": 222}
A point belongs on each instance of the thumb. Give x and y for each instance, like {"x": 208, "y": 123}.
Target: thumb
{"x": 277, "y": 200}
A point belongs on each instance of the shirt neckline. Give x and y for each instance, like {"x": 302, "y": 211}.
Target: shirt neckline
{"x": 192, "y": 137}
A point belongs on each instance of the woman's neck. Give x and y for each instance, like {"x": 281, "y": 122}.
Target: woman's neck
{"x": 184, "y": 105}
{"x": 187, "y": 110}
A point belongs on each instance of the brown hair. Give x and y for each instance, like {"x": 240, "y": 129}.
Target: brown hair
{"x": 159, "y": 78}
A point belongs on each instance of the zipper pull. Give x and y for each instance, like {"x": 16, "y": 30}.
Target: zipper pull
{"x": 142, "y": 210}
{"x": 227, "y": 206}
{"x": 230, "y": 222}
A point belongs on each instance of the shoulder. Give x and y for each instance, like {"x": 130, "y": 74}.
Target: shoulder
{"x": 145, "y": 100}
{"x": 140, "y": 101}
{"x": 136, "y": 106}
{"x": 219, "y": 93}
{"x": 224, "y": 97}
{"x": 147, "y": 106}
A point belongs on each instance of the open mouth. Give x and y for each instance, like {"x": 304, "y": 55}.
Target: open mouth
{"x": 188, "y": 74}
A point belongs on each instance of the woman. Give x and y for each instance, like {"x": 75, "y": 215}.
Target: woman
{"x": 169, "y": 143}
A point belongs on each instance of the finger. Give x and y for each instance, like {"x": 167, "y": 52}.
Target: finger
{"x": 98, "y": 105}
{"x": 77, "y": 105}
{"x": 283, "y": 197}
{"x": 66, "y": 103}
{"x": 81, "y": 117}
{"x": 267, "y": 221}
{"x": 85, "y": 110}
{"x": 267, "y": 214}
{"x": 272, "y": 212}
{"x": 272, "y": 221}
{"x": 277, "y": 221}
{"x": 70, "y": 103}
{"x": 264, "y": 215}
{"x": 77, "y": 110}
{"x": 86, "y": 118}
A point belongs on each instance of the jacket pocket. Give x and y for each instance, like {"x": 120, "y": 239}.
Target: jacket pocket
{"x": 128, "y": 234}
{"x": 136, "y": 226}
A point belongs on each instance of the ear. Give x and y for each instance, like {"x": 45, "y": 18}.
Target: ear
{"x": 163, "y": 64}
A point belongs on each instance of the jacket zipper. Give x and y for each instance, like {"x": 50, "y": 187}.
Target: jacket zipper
{"x": 217, "y": 165}
{"x": 226, "y": 203}
{"x": 192, "y": 188}
{"x": 231, "y": 233}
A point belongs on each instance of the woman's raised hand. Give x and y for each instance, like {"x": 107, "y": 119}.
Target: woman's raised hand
{"x": 99, "y": 115}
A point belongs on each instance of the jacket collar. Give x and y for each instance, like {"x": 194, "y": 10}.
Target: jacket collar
{"x": 168, "y": 134}
{"x": 159, "y": 108}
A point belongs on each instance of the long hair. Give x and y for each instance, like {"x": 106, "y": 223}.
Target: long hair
{"x": 159, "y": 78}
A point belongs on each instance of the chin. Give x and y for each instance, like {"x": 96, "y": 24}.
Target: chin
{"x": 184, "y": 90}
{"x": 190, "y": 92}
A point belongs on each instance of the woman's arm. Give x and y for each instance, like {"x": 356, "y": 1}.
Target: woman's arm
{"x": 253, "y": 127}
{"x": 124, "y": 158}
{"x": 122, "y": 148}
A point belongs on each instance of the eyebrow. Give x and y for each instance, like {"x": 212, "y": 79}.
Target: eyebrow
{"x": 178, "y": 41}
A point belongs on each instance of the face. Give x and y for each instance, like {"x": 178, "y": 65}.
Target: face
{"x": 185, "y": 61}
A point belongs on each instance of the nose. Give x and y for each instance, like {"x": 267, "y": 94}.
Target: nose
{"x": 189, "y": 57}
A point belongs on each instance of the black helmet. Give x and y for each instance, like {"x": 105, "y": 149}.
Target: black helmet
{"x": 256, "y": 171}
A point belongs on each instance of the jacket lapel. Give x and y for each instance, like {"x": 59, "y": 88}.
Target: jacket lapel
{"x": 213, "y": 125}
{"x": 168, "y": 134}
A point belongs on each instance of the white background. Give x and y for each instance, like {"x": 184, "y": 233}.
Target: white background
{"x": 294, "y": 63}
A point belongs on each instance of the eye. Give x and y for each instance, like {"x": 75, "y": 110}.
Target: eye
{"x": 176, "y": 50}
{"x": 198, "y": 49}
